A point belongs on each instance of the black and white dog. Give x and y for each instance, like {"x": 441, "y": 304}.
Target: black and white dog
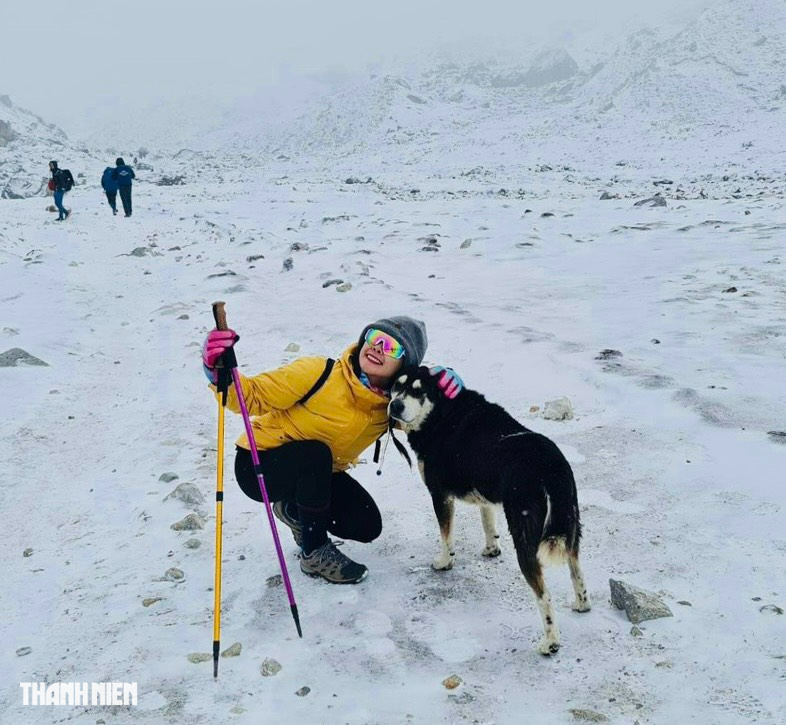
{"x": 473, "y": 450}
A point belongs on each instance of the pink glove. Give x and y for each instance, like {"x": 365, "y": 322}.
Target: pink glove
{"x": 448, "y": 381}
{"x": 216, "y": 344}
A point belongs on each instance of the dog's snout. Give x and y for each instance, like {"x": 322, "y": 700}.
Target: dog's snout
{"x": 396, "y": 408}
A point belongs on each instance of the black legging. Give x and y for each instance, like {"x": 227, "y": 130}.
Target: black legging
{"x": 301, "y": 471}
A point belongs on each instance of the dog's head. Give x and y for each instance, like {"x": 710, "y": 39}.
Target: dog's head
{"x": 413, "y": 397}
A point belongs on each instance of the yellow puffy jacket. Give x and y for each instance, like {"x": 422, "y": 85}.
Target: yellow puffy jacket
{"x": 343, "y": 413}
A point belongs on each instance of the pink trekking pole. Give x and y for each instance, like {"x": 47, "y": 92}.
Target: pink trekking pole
{"x": 230, "y": 361}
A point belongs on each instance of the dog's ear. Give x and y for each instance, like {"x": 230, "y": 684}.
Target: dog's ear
{"x": 424, "y": 374}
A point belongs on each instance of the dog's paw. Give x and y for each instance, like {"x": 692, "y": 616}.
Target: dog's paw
{"x": 492, "y": 550}
{"x": 581, "y": 605}
{"x": 548, "y": 647}
{"x": 443, "y": 563}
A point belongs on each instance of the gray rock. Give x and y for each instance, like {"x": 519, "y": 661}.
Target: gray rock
{"x": 167, "y": 477}
{"x": 7, "y": 134}
{"x": 636, "y": 632}
{"x": 188, "y": 493}
{"x": 19, "y": 188}
{"x": 17, "y": 357}
{"x": 197, "y": 657}
{"x": 22, "y": 651}
{"x": 174, "y": 575}
{"x": 656, "y": 200}
{"x": 193, "y": 544}
{"x": 608, "y": 354}
{"x": 771, "y": 608}
{"x": 344, "y": 287}
{"x": 550, "y": 66}
{"x": 638, "y": 604}
{"x": 588, "y": 715}
{"x": 465, "y": 244}
{"x": 138, "y": 252}
{"x": 192, "y": 522}
{"x": 150, "y": 600}
{"x": 233, "y": 650}
{"x": 298, "y": 247}
{"x": 558, "y": 409}
{"x": 274, "y": 581}
{"x": 27, "y": 552}
{"x": 303, "y": 691}
{"x": 292, "y": 347}
{"x": 605, "y": 196}
{"x": 329, "y": 282}
{"x": 270, "y": 667}
{"x": 288, "y": 264}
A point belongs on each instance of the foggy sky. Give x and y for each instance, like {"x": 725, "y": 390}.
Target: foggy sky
{"x": 65, "y": 60}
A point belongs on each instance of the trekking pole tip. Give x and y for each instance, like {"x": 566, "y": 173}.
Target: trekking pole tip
{"x": 293, "y": 607}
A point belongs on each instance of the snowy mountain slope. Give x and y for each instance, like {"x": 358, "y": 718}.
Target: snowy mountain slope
{"x": 686, "y": 101}
{"x": 27, "y": 144}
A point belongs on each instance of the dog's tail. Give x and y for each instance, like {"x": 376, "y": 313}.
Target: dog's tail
{"x": 550, "y": 527}
{"x": 553, "y": 551}
{"x": 562, "y": 525}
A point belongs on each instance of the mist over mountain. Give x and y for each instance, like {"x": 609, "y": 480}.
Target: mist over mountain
{"x": 680, "y": 100}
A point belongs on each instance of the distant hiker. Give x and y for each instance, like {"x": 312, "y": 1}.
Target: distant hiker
{"x": 109, "y": 183}
{"x": 123, "y": 176}
{"x": 61, "y": 183}
{"x": 305, "y": 450}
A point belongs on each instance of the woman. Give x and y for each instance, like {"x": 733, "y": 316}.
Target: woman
{"x": 305, "y": 448}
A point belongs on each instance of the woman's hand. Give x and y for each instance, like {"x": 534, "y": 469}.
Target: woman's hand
{"x": 216, "y": 344}
{"x": 448, "y": 381}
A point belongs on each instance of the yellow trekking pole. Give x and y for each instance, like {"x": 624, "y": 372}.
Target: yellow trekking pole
{"x": 222, "y": 387}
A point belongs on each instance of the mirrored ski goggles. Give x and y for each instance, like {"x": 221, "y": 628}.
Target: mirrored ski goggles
{"x": 390, "y": 346}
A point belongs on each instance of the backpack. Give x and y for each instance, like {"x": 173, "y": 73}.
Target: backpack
{"x": 378, "y": 444}
{"x": 68, "y": 180}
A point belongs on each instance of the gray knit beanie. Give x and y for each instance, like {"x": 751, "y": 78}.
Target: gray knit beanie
{"x": 409, "y": 332}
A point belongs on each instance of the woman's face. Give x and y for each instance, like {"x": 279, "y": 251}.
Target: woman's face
{"x": 376, "y": 364}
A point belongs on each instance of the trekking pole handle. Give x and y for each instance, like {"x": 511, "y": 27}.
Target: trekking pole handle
{"x": 220, "y": 315}
{"x": 228, "y": 359}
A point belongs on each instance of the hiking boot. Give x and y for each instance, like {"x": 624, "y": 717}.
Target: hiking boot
{"x": 281, "y": 513}
{"x": 329, "y": 563}
{"x": 67, "y": 214}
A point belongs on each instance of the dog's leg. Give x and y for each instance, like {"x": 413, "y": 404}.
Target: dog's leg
{"x": 488, "y": 516}
{"x": 549, "y": 644}
{"x": 582, "y": 602}
{"x": 443, "y": 508}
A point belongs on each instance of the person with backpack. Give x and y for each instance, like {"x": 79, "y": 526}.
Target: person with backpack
{"x": 61, "y": 183}
{"x": 109, "y": 184}
{"x": 311, "y": 421}
{"x": 123, "y": 176}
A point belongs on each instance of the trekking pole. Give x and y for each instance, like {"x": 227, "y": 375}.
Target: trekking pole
{"x": 223, "y": 387}
{"x": 230, "y": 363}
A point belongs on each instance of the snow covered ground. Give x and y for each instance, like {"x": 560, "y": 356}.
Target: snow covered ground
{"x": 680, "y": 481}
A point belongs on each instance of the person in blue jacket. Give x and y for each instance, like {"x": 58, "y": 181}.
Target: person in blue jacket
{"x": 123, "y": 176}
{"x": 109, "y": 183}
